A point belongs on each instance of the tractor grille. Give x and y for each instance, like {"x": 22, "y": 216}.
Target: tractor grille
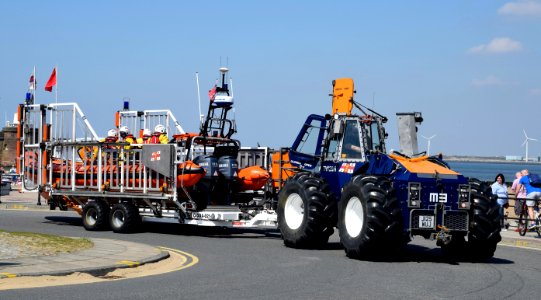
{"x": 456, "y": 220}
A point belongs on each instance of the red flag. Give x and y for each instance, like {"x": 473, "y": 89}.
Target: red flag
{"x": 51, "y": 82}
{"x": 212, "y": 93}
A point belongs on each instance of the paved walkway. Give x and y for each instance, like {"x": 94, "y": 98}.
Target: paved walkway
{"x": 107, "y": 255}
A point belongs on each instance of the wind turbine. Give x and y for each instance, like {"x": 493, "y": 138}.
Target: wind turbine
{"x": 428, "y": 141}
{"x": 526, "y": 143}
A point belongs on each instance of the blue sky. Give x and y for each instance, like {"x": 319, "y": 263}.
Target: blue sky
{"x": 473, "y": 68}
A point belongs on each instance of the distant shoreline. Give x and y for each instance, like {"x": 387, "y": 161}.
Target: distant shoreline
{"x": 487, "y": 160}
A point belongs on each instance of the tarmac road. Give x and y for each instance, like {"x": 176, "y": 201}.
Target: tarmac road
{"x": 235, "y": 265}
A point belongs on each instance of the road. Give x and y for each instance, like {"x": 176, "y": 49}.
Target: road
{"x": 235, "y": 265}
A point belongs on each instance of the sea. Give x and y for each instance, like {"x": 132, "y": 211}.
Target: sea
{"x": 487, "y": 171}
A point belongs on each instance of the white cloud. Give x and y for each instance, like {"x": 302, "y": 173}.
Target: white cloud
{"x": 535, "y": 92}
{"x": 521, "y": 8}
{"x": 489, "y": 80}
{"x": 497, "y": 45}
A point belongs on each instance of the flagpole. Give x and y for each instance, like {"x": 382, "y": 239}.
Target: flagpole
{"x": 198, "y": 98}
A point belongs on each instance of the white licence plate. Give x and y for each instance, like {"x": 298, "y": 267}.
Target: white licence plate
{"x": 426, "y": 221}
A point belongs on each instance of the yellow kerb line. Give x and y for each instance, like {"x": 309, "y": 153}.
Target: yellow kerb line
{"x": 194, "y": 258}
{"x": 129, "y": 263}
{"x": 7, "y": 275}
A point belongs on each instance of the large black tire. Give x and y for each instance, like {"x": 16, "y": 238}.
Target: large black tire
{"x": 124, "y": 218}
{"x": 96, "y": 215}
{"x": 485, "y": 217}
{"x": 370, "y": 220}
{"x": 306, "y": 211}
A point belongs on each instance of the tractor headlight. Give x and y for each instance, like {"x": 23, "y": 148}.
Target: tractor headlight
{"x": 464, "y": 196}
{"x": 414, "y": 194}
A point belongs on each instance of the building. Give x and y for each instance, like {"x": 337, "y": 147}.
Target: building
{"x": 514, "y": 158}
{"x": 8, "y": 142}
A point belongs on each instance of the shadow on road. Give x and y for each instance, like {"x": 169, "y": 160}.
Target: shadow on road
{"x": 179, "y": 229}
{"x": 418, "y": 253}
{"x": 211, "y": 232}
{"x": 411, "y": 253}
{"x": 63, "y": 220}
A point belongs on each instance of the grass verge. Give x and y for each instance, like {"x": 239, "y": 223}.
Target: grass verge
{"x": 34, "y": 244}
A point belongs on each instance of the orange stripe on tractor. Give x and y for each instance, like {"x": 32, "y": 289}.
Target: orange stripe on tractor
{"x": 421, "y": 165}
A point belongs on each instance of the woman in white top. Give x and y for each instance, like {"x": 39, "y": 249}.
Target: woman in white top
{"x": 499, "y": 189}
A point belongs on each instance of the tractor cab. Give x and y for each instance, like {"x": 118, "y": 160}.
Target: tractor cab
{"x": 339, "y": 146}
{"x": 353, "y": 138}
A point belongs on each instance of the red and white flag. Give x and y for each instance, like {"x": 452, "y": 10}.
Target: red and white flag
{"x": 212, "y": 93}
{"x": 51, "y": 82}
{"x": 33, "y": 82}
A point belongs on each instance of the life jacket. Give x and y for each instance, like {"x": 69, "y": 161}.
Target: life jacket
{"x": 110, "y": 139}
{"x": 158, "y": 138}
{"x": 144, "y": 140}
{"x": 128, "y": 139}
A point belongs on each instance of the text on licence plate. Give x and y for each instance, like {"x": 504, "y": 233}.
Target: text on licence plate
{"x": 426, "y": 221}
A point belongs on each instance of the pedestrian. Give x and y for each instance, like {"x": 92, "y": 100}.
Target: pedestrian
{"x": 533, "y": 194}
{"x": 499, "y": 189}
{"x": 520, "y": 193}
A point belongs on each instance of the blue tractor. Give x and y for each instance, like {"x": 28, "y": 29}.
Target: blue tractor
{"x": 339, "y": 174}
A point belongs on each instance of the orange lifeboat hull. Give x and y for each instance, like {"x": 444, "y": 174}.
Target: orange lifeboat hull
{"x": 253, "y": 178}
{"x": 189, "y": 173}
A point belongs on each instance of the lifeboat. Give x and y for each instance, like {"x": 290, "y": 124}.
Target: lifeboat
{"x": 188, "y": 174}
{"x": 253, "y": 178}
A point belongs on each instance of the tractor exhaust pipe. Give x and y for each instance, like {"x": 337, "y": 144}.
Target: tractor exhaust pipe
{"x": 407, "y": 132}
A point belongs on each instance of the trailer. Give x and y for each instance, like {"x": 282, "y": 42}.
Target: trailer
{"x": 193, "y": 179}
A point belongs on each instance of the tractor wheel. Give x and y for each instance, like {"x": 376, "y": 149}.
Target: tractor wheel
{"x": 124, "y": 218}
{"x": 306, "y": 211}
{"x": 484, "y": 232}
{"x": 370, "y": 219}
{"x": 95, "y": 215}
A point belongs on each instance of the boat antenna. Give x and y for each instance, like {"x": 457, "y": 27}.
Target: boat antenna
{"x": 231, "y": 86}
{"x": 198, "y": 98}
